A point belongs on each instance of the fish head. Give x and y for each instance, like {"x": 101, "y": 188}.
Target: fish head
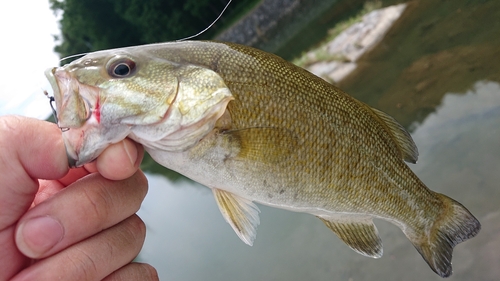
{"x": 106, "y": 96}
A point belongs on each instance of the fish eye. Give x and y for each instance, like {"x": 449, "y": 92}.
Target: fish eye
{"x": 121, "y": 68}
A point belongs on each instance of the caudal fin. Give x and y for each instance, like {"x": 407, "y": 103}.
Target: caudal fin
{"x": 456, "y": 225}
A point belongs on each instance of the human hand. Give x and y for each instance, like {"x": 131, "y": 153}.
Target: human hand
{"x": 79, "y": 225}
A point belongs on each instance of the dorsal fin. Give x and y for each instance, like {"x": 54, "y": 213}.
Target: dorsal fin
{"x": 407, "y": 147}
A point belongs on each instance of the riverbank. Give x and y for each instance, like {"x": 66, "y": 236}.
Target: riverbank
{"x": 272, "y": 24}
{"x": 288, "y": 27}
{"x": 337, "y": 57}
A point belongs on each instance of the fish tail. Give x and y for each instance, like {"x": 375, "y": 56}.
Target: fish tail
{"x": 455, "y": 225}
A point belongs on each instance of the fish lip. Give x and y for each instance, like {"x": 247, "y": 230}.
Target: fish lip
{"x": 70, "y": 152}
{"x": 78, "y": 154}
{"x": 72, "y": 108}
{"x": 72, "y": 162}
{"x": 72, "y": 112}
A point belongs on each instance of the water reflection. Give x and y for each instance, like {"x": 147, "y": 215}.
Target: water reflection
{"x": 436, "y": 47}
{"x": 459, "y": 150}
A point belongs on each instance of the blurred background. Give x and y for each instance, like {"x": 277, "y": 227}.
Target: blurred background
{"x": 433, "y": 65}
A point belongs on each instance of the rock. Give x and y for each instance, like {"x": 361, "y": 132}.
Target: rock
{"x": 272, "y": 23}
{"x": 355, "y": 41}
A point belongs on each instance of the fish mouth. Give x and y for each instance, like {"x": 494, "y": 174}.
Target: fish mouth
{"x": 81, "y": 146}
{"x": 73, "y": 110}
{"x": 72, "y": 162}
{"x": 72, "y": 150}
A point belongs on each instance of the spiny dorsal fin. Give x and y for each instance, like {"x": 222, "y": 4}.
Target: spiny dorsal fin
{"x": 359, "y": 233}
{"x": 405, "y": 143}
{"x": 266, "y": 145}
{"x": 242, "y": 214}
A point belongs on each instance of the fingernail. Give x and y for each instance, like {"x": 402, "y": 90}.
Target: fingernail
{"x": 38, "y": 235}
{"x": 132, "y": 155}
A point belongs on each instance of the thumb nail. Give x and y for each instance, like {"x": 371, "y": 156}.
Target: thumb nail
{"x": 131, "y": 150}
{"x": 38, "y": 235}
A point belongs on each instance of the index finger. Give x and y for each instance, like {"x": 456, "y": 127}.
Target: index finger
{"x": 118, "y": 161}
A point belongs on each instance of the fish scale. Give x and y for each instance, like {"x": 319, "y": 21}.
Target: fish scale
{"x": 255, "y": 128}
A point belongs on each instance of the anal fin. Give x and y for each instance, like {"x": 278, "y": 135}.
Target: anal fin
{"x": 359, "y": 233}
{"x": 242, "y": 214}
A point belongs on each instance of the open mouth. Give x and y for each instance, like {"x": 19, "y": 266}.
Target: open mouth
{"x": 72, "y": 109}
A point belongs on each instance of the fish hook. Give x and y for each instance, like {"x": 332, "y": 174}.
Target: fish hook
{"x": 54, "y": 112}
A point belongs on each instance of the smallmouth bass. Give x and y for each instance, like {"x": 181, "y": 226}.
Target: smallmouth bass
{"x": 255, "y": 128}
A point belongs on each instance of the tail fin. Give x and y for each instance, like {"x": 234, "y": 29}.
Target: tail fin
{"x": 455, "y": 225}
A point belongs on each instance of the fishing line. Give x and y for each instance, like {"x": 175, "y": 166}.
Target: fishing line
{"x": 208, "y": 27}
{"x": 51, "y": 98}
{"x": 73, "y": 56}
{"x": 183, "y": 39}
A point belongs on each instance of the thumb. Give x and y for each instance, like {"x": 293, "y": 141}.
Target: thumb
{"x": 30, "y": 149}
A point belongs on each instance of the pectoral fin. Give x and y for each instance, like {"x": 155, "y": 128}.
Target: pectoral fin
{"x": 242, "y": 214}
{"x": 359, "y": 233}
{"x": 265, "y": 145}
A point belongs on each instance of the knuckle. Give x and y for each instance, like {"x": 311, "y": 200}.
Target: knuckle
{"x": 134, "y": 271}
{"x": 149, "y": 272}
{"x": 137, "y": 187}
{"x": 10, "y": 125}
{"x": 81, "y": 265}
{"x": 100, "y": 202}
{"x": 142, "y": 181}
{"x": 136, "y": 228}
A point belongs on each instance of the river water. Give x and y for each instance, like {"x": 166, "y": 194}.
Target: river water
{"x": 438, "y": 73}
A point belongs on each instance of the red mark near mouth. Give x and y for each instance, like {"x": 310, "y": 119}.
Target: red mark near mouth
{"x": 97, "y": 110}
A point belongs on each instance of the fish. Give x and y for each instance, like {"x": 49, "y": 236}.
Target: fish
{"x": 257, "y": 129}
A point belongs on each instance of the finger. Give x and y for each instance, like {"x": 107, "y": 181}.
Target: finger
{"x": 47, "y": 188}
{"x": 134, "y": 271}
{"x": 120, "y": 160}
{"x": 77, "y": 212}
{"x": 94, "y": 258}
{"x": 113, "y": 165}
{"x": 73, "y": 175}
{"x": 31, "y": 149}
